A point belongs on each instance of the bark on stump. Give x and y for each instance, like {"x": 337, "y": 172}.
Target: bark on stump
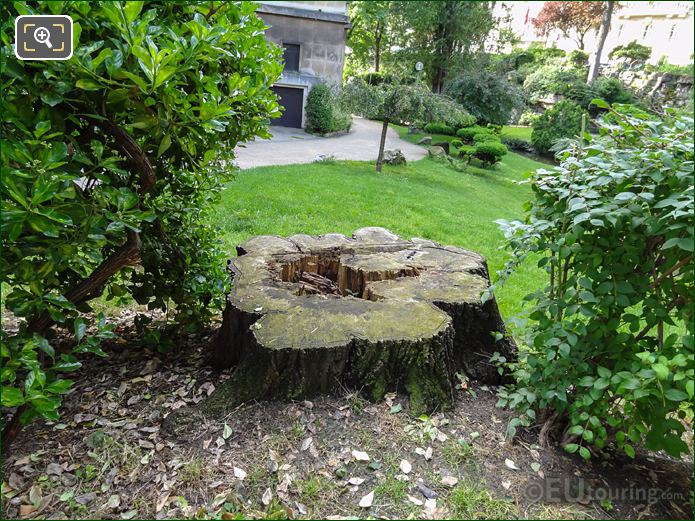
{"x": 310, "y": 315}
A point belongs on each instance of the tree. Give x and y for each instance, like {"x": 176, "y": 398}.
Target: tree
{"x": 486, "y": 95}
{"x": 111, "y": 160}
{"x": 444, "y": 36}
{"x": 573, "y": 19}
{"x": 370, "y": 35}
{"x": 603, "y": 34}
{"x": 398, "y": 103}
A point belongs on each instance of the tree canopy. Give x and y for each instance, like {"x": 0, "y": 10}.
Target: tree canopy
{"x": 573, "y": 19}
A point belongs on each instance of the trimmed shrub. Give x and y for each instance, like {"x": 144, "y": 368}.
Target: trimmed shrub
{"x": 632, "y": 51}
{"x": 558, "y": 80}
{"x": 562, "y": 121}
{"x": 490, "y": 152}
{"x": 468, "y": 133}
{"x": 322, "y": 113}
{"x": 466, "y": 152}
{"x": 578, "y": 59}
{"x": 439, "y": 128}
{"x": 485, "y": 136}
{"x": 456, "y": 143}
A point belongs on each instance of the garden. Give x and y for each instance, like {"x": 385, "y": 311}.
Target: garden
{"x": 557, "y": 195}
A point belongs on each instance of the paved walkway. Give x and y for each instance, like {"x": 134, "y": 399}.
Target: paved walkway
{"x": 292, "y": 146}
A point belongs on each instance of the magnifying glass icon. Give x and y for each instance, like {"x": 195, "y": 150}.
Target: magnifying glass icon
{"x": 43, "y": 35}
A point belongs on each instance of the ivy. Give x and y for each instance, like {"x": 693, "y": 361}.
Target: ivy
{"x": 609, "y": 352}
{"x": 110, "y": 164}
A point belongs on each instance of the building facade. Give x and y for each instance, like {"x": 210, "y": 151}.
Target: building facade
{"x": 312, "y": 36}
{"x": 666, "y": 27}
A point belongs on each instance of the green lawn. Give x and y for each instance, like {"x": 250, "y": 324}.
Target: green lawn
{"x": 424, "y": 199}
{"x": 517, "y": 132}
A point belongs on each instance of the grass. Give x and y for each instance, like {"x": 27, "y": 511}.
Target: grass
{"x": 517, "y": 132}
{"x": 422, "y": 199}
{"x": 469, "y": 501}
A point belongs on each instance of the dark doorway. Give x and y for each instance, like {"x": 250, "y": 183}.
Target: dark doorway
{"x": 292, "y": 99}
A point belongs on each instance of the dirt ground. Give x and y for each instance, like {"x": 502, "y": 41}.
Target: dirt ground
{"x": 336, "y": 457}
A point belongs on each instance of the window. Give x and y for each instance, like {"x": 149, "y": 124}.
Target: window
{"x": 291, "y": 56}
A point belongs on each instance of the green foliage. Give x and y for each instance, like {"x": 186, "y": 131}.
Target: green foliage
{"x": 528, "y": 118}
{"x": 488, "y": 96}
{"x": 611, "y": 90}
{"x": 489, "y": 151}
{"x": 564, "y": 120}
{"x": 373, "y": 28}
{"x": 456, "y": 143}
{"x": 439, "y": 128}
{"x": 664, "y": 67}
{"x": 555, "y": 79}
{"x": 467, "y": 134}
{"x": 632, "y": 51}
{"x": 113, "y": 157}
{"x": 518, "y": 144}
{"x": 322, "y": 112}
{"x": 482, "y": 137}
{"x": 578, "y": 59}
{"x": 610, "y": 348}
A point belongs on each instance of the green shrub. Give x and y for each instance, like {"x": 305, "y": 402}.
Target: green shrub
{"x": 439, "y": 128}
{"x": 466, "y": 151}
{"x": 518, "y": 145}
{"x": 322, "y": 112}
{"x": 490, "y": 97}
{"x": 485, "y": 136}
{"x": 562, "y": 121}
{"x": 558, "y": 80}
{"x": 527, "y": 118}
{"x": 632, "y": 51}
{"x": 578, "y": 59}
{"x": 467, "y": 133}
{"x": 611, "y": 90}
{"x": 112, "y": 162}
{"x": 456, "y": 143}
{"x": 608, "y": 353}
{"x": 489, "y": 152}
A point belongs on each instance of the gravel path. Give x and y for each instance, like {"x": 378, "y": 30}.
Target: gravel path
{"x": 294, "y": 146}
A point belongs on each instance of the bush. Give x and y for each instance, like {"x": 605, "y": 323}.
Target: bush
{"x": 111, "y": 164}
{"x": 632, "y": 51}
{"x": 467, "y": 134}
{"x": 578, "y": 59}
{"x": 489, "y": 152}
{"x": 611, "y": 90}
{"x": 439, "y": 128}
{"x": 558, "y": 80}
{"x": 562, "y": 121}
{"x": 487, "y": 96}
{"x": 528, "y": 118}
{"x": 518, "y": 145}
{"x": 485, "y": 136}
{"x": 322, "y": 112}
{"x": 456, "y": 143}
{"x": 443, "y": 109}
{"x": 466, "y": 151}
{"x": 608, "y": 354}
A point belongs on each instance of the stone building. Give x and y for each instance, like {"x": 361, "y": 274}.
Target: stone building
{"x": 312, "y": 35}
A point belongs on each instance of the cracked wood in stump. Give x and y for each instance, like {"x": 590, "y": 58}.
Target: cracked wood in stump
{"x": 309, "y": 315}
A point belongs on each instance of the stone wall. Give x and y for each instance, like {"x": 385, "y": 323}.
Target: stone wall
{"x": 659, "y": 89}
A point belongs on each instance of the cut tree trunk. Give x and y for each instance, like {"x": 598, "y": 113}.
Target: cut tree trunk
{"x": 310, "y": 315}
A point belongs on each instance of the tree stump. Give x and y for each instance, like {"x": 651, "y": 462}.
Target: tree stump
{"x": 309, "y": 315}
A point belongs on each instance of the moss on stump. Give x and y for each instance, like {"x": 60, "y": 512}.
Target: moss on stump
{"x": 309, "y": 315}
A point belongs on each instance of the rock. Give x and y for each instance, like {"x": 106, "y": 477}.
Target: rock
{"x": 394, "y": 157}
{"x": 311, "y": 315}
{"x": 427, "y": 140}
{"x": 442, "y": 144}
{"x": 437, "y": 151}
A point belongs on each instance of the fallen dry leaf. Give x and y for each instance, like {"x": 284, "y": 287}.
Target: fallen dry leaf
{"x": 267, "y": 496}
{"x": 360, "y": 456}
{"x": 356, "y": 481}
{"x": 449, "y": 481}
{"x": 239, "y": 473}
{"x": 405, "y": 466}
{"x": 415, "y": 501}
{"x": 367, "y": 500}
{"x": 509, "y": 463}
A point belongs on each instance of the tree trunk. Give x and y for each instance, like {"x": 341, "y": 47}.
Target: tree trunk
{"x": 311, "y": 315}
{"x": 377, "y": 47}
{"x": 382, "y": 143}
{"x": 605, "y": 28}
